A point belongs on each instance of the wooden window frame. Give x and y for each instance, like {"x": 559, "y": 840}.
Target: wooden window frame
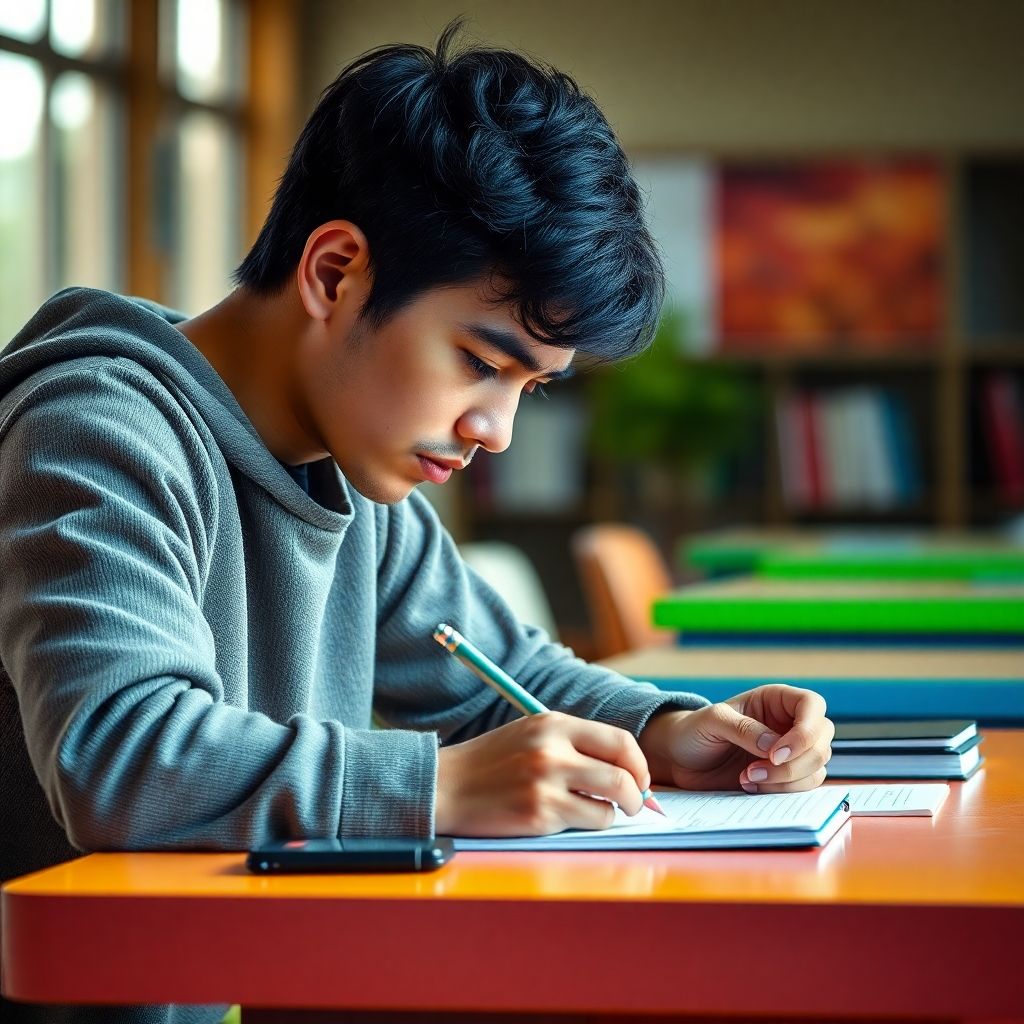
{"x": 265, "y": 119}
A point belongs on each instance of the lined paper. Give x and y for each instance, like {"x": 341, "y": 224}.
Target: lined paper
{"x": 711, "y": 812}
{"x": 923, "y": 799}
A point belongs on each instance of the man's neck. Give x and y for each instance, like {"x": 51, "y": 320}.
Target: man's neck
{"x": 251, "y": 341}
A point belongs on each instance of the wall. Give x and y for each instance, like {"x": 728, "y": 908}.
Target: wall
{"x": 739, "y": 74}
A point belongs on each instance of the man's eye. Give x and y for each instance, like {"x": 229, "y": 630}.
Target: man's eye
{"x": 478, "y": 366}
{"x": 535, "y": 390}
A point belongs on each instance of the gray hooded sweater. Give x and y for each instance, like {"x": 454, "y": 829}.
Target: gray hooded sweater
{"x": 191, "y": 646}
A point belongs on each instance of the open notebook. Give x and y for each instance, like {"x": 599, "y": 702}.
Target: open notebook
{"x": 703, "y": 821}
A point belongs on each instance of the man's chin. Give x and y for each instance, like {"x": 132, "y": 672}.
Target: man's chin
{"x": 382, "y": 492}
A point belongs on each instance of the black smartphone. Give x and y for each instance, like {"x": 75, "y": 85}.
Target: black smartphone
{"x": 306, "y": 856}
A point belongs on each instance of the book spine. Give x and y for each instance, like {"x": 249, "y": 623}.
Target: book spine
{"x": 879, "y": 469}
{"x": 840, "y": 471}
{"x": 900, "y": 442}
{"x": 792, "y": 467}
{"x": 1004, "y": 427}
{"x": 810, "y": 430}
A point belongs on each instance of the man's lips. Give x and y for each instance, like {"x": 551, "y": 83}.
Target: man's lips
{"x": 447, "y": 463}
{"x": 437, "y": 471}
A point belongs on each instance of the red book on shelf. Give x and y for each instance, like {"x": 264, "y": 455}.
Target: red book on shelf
{"x": 812, "y": 450}
{"x": 1003, "y": 413}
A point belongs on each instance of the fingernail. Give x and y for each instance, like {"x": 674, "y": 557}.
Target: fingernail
{"x": 749, "y": 787}
{"x": 757, "y": 774}
{"x": 781, "y": 755}
{"x": 766, "y": 739}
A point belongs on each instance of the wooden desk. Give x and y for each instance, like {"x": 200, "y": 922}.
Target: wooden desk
{"x": 858, "y": 682}
{"x": 899, "y": 918}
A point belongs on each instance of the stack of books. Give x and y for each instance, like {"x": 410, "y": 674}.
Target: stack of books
{"x": 947, "y": 749}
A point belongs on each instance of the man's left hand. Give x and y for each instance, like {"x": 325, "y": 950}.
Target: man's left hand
{"x": 772, "y": 739}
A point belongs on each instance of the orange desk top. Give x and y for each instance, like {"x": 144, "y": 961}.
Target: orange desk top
{"x": 896, "y": 917}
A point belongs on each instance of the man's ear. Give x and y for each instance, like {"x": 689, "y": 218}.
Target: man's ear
{"x": 334, "y": 270}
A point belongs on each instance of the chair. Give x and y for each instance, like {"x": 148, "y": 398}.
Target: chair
{"x": 508, "y": 570}
{"x": 621, "y": 572}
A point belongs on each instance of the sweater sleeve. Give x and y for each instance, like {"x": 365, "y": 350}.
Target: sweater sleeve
{"x": 107, "y": 519}
{"x": 422, "y": 580}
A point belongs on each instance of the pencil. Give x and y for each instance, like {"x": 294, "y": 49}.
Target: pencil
{"x": 478, "y": 662}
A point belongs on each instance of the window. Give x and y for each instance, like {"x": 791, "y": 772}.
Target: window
{"x": 61, "y": 139}
{"x": 202, "y": 176}
{"x": 137, "y": 142}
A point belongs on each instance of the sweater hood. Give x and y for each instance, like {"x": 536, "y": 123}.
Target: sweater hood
{"x": 78, "y": 323}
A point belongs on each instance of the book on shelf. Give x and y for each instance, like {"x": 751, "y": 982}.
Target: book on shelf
{"x": 1003, "y": 417}
{"x": 847, "y": 448}
{"x": 792, "y": 451}
{"x": 702, "y": 821}
{"x": 811, "y": 457}
{"x": 840, "y": 447}
{"x": 876, "y": 462}
{"x": 899, "y": 433}
{"x": 946, "y": 749}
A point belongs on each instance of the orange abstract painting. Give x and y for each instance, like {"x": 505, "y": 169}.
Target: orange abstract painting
{"x": 830, "y": 254}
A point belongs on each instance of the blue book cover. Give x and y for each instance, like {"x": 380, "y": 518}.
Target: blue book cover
{"x": 900, "y": 437}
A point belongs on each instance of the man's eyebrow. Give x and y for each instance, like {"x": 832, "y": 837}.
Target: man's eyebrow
{"x": 507, "y": 342}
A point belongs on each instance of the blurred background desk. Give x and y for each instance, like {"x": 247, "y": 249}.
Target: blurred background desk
{"x": 879, "y": 554}
{"x": 857, "y": 610}
{"x": 857, "y": 683}
{"x": 895, "y": 918}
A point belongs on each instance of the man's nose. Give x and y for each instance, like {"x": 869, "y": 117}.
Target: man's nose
{"x": 489, "y": 427}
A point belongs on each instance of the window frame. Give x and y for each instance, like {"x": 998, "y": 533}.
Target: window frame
{"x": 263, "y": 118}
{"x": 108, "y": 72}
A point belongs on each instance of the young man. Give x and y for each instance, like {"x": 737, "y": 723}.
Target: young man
{"x": 215, "y": 565}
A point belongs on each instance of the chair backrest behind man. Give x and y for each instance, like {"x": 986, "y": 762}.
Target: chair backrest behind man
{"x": 621, "y": 571}
{"x": 511, "y": 573}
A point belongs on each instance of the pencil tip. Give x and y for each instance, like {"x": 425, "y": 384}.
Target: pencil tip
{"x": 655, "y": 806}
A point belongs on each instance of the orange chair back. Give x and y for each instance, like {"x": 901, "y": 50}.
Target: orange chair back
{"x": 622, "y": 572}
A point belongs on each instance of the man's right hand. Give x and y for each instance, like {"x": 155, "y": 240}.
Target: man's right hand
{"x": 531, "y": 777}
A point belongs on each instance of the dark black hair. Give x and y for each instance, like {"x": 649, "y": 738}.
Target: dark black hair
{"x": 468, "y": 165}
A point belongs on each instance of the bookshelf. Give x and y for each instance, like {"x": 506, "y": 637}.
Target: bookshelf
{"x": 946, "y": 382}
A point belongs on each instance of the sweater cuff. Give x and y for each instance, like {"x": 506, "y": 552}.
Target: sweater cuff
{"x": 390, "y": 783}
{"x": 631, "y": 707}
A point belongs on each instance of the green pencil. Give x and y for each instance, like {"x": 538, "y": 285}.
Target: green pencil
{"x": 478, "y": 662}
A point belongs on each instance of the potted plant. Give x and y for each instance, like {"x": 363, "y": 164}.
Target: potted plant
{"x": 668, "y": 418}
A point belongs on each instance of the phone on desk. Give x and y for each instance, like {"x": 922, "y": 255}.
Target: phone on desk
{"x": 301, "y": 856}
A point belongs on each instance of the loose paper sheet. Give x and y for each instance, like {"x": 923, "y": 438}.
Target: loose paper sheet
{"x": 897, "y": 800}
